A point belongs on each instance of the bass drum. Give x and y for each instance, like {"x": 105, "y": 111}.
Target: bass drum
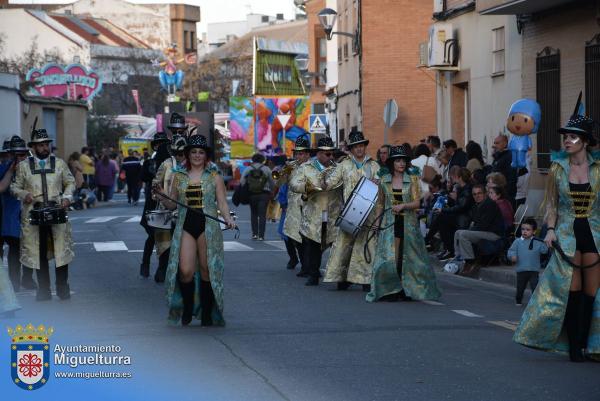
{"x": 358, "y": 207}
{"x": 162, "y": 219}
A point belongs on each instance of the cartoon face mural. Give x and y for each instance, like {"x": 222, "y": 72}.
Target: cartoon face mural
{"x": 523, "y": 119}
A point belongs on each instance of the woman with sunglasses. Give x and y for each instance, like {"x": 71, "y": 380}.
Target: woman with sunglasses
{"x": 560, "y": 315}
{"x": 399, "y": 270}
{"x": 194, "y": 279}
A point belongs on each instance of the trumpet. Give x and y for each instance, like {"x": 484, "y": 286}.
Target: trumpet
{"x": 325, "y": 174}
{"x": 284, "y": 172}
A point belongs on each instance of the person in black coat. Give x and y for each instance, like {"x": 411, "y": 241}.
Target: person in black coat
{"x": 160, "y": 146}
{"x": 456, "y": 215}
{"x": 502, "y": 164}
{"x": 133, "y": 171}
{"x": 457, "y": 156}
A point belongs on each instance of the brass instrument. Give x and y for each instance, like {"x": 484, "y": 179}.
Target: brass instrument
{"x": 282, "y": 175}
{"x": 311, "y": 189}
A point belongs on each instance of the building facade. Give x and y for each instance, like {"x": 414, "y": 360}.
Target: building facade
{"x": 474, "y": 96}
{"x": 561, "y": 57}
{"x": 317, "y": 56}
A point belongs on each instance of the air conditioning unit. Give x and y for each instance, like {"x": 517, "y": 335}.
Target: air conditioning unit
{"x": 442, "y": 48}
{"x": 438, "y": 6}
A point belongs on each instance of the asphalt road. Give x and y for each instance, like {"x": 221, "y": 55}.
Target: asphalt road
{"x": 285, "y": 341}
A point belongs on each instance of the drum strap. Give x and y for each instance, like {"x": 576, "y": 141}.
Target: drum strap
{"x": 43, "y": 171}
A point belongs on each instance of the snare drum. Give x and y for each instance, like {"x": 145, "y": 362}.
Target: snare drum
{"x": 47, "y": 216}
{"x": 162, "y": 219}
{"x": 358, "y": 207}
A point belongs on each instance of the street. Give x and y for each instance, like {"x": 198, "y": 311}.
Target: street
{"x": 285, "y": 341}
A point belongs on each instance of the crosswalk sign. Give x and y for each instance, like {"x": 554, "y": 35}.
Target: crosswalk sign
{"x": 318, "y": 123}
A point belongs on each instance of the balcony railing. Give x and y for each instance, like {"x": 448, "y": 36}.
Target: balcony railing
{"x": 513, "y": 7}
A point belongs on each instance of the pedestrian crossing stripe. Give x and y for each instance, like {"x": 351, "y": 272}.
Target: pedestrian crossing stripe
{"x": 228, "y": 246}
{"x": 102, "y": 219}
{"x": 134, "y": 219}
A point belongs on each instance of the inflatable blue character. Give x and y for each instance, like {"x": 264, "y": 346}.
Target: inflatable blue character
{"x": 523, "y": 119}
{"x": 170, "y": 77}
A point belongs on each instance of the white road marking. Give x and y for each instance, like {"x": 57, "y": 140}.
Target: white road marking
{"x": 102, "y": 219}
{"x": 465, "y": 313}
{"x": 434, "y": 303}
{"x": 505, "y": 324}
{"x": 110, "y": 246}
{"x": 82, "y": 243}
{"x": 134, "y": 219}
{"x": 234, "y": 246}
{"x": 277, "y": 244}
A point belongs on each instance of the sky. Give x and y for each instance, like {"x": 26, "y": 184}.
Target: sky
{"x": 215, "y": 10}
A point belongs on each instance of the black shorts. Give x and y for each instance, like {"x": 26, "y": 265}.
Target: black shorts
{"x": 399, "y": 226}
{"x": 195, "y": 223}
{"x": 584, "y": 240}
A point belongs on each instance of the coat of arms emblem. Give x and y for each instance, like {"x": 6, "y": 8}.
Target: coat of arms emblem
{"x": 30, "y": 355}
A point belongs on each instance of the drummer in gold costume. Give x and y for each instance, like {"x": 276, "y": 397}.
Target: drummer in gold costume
{"x": 293, "y": 212}
{"x": 320, "y": 209}
{"x": 164, "y": 179}
{"x": 347, "y": 264}
{"x": 39, "y": 244}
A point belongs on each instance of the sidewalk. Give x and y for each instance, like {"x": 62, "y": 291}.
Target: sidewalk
{"x": 499, "y": 274}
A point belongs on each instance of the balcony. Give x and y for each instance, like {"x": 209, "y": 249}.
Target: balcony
{"x": 513, "y": 7}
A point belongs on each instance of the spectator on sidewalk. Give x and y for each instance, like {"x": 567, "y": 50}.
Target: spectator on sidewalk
{"x": 88, "y": 166}
{"x": 457, "y": 157}
{"x": 133, "y": 170}
{"x": 106, "y": 171}
{"x": 487, "y": 224}
{"x": 525, "y": 252}
{"x": 502, "y": 164}
{"x": 457, "y": 214}
{"x": 434, "y": 144}
{"x": 260, "y": 186}
{"x": 474, "y": 157}
{"x": 498, "y": 195}
{"x": 427, "y": 165}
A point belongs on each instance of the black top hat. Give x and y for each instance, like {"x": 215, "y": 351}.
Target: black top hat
{"x": 159, "y": 137}
{"x": 356, "y": 138}
{"x": 17, "y": 144}
{"x": 177, "y": 121}
{"x": 398, "y": 152}
{"x": 178, "y": 143}
{"x": 197, "y": 141}
{"x": 325, "y": 143}
{"x": 39, "y": 136}
{"x": 302, "y": 143}
{"x": 580, "y": 124}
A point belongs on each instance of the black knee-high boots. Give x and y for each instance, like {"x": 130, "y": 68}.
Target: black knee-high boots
{"x": 187, "y": 293}
{"x": 573, "y": 325}
{"x": 163, "y": 262}
{"x": 588, "y": 308}
{"x": 207, "y": 300}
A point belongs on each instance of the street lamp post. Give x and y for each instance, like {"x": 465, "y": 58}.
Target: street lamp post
{"x": 328, "y": 18}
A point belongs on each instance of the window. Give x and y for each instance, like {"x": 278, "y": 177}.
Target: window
{"x": 322, "y": 48}
{"x": 592, "y": 80}
{"x": 279, "y": 74}
{"x": 339, "y": 55}
{"x": 321, "y": 60}
{"x": 498, "y": 51}
{"x": 186, "y": 44}
{"x": 318, "y": 108}
{"x": 548, "y": 96}
{"x": 193, "y": 40}
{"x": 322, "y": 79}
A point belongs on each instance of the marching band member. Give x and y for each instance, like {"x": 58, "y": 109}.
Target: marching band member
{"x": 320, "y": 209}
{"x": 293, "y": 212}
{"x": 560, "y": 316}
{"x": 164, "y": 178}
{"x": 347, "y": 264}
{"x": 195, "y": 271}
{"x": 44, "y": 180}
{"x": 400, "y": 269}
{"x": 11, "y": 217}
{"x": 160, "y": 146}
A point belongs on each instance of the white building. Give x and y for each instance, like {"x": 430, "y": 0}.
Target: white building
{"x": 219, "y": 33}
{"x": 473, "y": 96}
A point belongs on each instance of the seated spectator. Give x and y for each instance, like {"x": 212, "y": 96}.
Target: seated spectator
{"x": 443, "y": 161}
{"x": 495, "y": 180}
{"x": 497, "y": 195}
{"x": 457, "y": 156}
{"x": 457, "y": 214}
{"x": 427, "y": 164}
{"x": 434, "y": 144}
{"x": 435, "y": 198}
{"x": 525, "y": 252}
{"x": 474, "y": 157}
{"x": 487, "y": 224}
